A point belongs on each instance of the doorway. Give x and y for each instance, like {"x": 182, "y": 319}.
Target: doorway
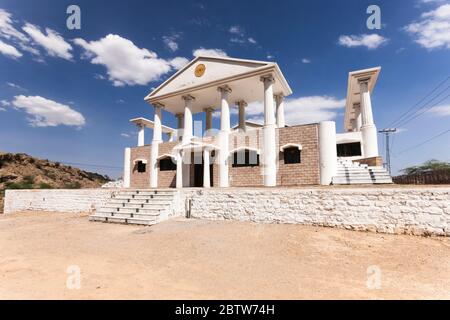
{"x": 198, "y": 175}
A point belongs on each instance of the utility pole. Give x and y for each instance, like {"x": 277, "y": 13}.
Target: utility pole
{"x": 387, "y": 132}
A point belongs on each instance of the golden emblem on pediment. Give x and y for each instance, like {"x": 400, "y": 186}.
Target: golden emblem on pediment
{"x": 200, "y": 70}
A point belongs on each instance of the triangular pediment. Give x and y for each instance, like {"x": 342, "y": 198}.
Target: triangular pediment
{"x": 204, "y": 70}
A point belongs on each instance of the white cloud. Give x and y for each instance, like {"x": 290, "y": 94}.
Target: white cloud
{"x": 9, "y": 50}
{"x": 237, "y": 40}
{"x": 240, "y": 35}
{"x": 433, "y": 30}
{"x": 304, "y": 60}
{"x": 4, "y": 103}
{"x": 209, "y": 52}
{"x": 370, "y": 41}
{"x": 178, "y": 62}
{"x": 126, "y": 63}
{"x": 171, "y": 41}
{"x": 235, "y": 30}
{"x": 270, "y": 56}
{"x": 432, "y": 1}
{"x": 125, "y": 135}
{"x": 7, "y": 29}
{"x": 301, "y": 110}
{"x": 14, "y": 86}
{"x": 443, "y": 111}
{"x": 51, "y": 41}
{"x": 48, "y": 113}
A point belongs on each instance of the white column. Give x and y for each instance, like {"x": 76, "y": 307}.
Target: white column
{"x": 180, "y": 118}
{"x": 127, "y": 168}
{"x": 368, "y": 129}
{"x": 224, "y": 136}
{"x": 188, "y": 133}
{"x": 157, "y": 139}
{"x": 269, "y": 146}
{"x": 279, "y": 99}
{"x": 358, "y": 119}
{"x": 327, "y": 151}
{"x": 141, "y": 135}
{"x": 179, "y": 176}
{"x": 241, "y": 105}
{"x": 206, "y": 175}
{"x": 208, "y": 118}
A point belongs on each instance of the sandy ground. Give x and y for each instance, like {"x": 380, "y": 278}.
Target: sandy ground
{"x": 194, "y": 259}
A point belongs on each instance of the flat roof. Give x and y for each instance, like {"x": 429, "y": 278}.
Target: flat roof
{"x": 150, "y": 124}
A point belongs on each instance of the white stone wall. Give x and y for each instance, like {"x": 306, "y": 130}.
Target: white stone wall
{"x": 62, "y": 200}
{"x": 424, "y": 210}
{"x": 414, "y": 210}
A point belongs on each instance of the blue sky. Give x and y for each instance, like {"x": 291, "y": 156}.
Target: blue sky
{"x": 67, "y": 95}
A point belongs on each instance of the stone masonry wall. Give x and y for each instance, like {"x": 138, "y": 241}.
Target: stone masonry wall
{"x": 61, "y": 200}
{"x": 140, "y": 179}
{"x": 307, "y": 171}
{"x": 388, "y": 210}
{"x": 166, "y": 179}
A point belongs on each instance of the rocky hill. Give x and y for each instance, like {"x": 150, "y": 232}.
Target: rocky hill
{"x": 21, "y": 171}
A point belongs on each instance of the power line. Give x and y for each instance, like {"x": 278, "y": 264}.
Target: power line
{"x": 424, "y": 142}
{"x": 425, "y": 110}
{"x": 399, "y": 119}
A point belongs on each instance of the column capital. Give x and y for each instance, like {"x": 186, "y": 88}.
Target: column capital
{"x": 188, "y": 97}
{"x": 208, "y": 109}
{"x": 364, "y": 80}
{"x": 179, "y": 115}
{"x": 267, "y": 78}
{"x": 224, "y": 88}
{"x": 241, "y": 103}
{"x": 158, "y": 105}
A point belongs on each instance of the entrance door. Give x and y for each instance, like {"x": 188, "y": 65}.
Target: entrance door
{"x": 198, "y": 175}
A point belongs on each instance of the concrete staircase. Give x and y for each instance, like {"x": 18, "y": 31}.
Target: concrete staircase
{"x": 144, "y": 207}
{"x": 349, "y": 172}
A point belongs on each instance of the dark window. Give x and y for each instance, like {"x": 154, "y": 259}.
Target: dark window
{"x": 141, "y": 166}
{"x": 349, "y": 149}
{"x": 292, "y": 155}
{"x": 245, "y": 158}
{"x": 167, "y": 164}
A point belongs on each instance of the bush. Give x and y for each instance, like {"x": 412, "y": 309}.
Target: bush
{"x": 44, "y": 185}
{"x": 28, "y": 179}
{"x": 72, "y": 185}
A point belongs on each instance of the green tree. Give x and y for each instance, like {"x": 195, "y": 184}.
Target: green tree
{"x": 428, "y": 166}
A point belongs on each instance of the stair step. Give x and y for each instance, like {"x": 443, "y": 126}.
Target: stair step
{"x": 128, "y": 215}
{"x": 148, "y": 192}
{"x": 163, "y": 201}
{"x": 144, "y": 196}
{"x": 131, "y": 210}
{"x": 136, "y": 206}
{"x": 123, "y": 220}
{"x": 349, "y": 172}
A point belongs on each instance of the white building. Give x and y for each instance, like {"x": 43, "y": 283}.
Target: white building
{"x": 271, "y": 154}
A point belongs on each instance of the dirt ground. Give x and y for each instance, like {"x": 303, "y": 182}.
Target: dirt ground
{"x": 196, "y": 259}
